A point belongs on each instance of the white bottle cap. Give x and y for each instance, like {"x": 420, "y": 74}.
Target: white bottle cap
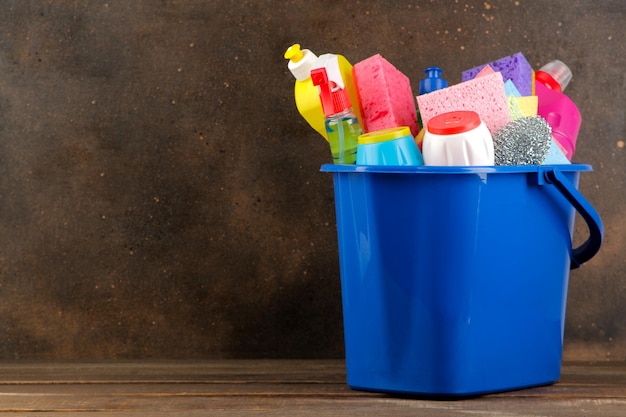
{"x": 301, "y": 62}
{"x": 458, "y": 138}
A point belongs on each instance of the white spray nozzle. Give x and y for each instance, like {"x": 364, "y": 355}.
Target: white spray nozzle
{"x": 301, "y": 61}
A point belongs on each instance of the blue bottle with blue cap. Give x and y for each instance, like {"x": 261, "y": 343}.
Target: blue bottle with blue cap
{"x": 432, "y": 82}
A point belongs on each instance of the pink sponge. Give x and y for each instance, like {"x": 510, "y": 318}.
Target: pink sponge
{"x": 485, "y": 95}
{"x": 385, "y": 96}
{"x": 515, "y": 68}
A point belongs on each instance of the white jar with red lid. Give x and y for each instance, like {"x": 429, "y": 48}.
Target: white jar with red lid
{"x": 458, "y": 138}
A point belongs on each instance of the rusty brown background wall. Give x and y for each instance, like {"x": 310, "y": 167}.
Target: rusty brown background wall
{"x": 160, "y": 196}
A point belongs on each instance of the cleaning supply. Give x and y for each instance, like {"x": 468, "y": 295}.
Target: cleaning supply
{"x": 555, "y": 155}
{"x": 519, "y": 106}
{"x": 554, "y": 75}
{"x": 510, "y": 90}
{"x": 557, "y": 108}
{"x": 342, "y": 125}
{"x": 515, "y": 68}
{"x": 458, "y": 138}
{"x": 486, "y": 70}
{"x": 432, "y": 82}
{"x": 340, "y": 73}
{"x": 528, "y": 105}
{"x": 484, "y": 95}
{"x": 301, "y": 62}
{"x": 523, "y": 141}
{"x": 393, "y": 146}
{"x": 385, "y": 95}
{"x": 515, "y": 112}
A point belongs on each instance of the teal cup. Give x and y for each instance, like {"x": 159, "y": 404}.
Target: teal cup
{"x": 394, "y": 146}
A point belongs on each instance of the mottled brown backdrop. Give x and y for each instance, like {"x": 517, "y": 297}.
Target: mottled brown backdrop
{"x": 160, "y": 197}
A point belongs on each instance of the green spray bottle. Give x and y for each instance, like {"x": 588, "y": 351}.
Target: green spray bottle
{"x": 342, "y": 126}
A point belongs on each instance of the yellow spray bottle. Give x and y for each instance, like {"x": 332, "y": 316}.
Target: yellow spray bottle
{"x": 307, "y": 96}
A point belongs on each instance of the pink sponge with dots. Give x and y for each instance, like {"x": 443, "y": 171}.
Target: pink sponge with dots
{"x": 485, "y": 95}
{"x": 385, "y": 95}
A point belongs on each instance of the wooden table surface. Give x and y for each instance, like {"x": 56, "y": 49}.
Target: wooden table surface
{"x": 278, "y": 388}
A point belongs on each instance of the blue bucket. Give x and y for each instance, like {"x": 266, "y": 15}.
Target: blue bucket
{"x": 454, "y": 279}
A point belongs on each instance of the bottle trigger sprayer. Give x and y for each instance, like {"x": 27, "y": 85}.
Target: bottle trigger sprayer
{"x": 342, "y": 125}
{"x": 559, "y": 111}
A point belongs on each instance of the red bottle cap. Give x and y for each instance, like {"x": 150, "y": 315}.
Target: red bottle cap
{"x": 548, "y": 80}
{"x": 454, "y": 122}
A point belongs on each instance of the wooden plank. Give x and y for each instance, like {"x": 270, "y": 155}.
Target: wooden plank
{"x": 323, "y": 371}
{"x": 278, "y": 388}
{"x": 182, "y": 405}
{"x": 291, "y": 371}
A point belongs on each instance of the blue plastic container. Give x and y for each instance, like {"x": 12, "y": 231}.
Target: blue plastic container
{"x": 454, "y": 279}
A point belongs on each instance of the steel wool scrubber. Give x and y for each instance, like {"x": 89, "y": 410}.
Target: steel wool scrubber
{"x": 524, "y": 141}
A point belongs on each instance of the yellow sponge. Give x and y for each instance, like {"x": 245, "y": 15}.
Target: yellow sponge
{"x": 528, "y": 105}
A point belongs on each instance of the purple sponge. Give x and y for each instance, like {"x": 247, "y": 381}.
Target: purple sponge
{"x": 515, "y": 68}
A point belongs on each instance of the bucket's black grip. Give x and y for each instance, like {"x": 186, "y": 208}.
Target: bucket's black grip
{"x": 587, "y": 250}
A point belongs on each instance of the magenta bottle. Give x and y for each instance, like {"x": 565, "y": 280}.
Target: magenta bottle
{"x": 559, "y": 110}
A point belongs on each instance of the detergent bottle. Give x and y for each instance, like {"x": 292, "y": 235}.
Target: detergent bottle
{"x": 432, "y": 82}
{"x": 301, "y": 62}
{"x": 458, "y": 138}
{"x": 559, "y": 110}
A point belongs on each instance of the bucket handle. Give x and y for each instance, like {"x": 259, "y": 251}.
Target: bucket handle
{"x": 587, "y": 250}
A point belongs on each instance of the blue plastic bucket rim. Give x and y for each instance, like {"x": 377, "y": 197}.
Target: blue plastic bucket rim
{"x": 428, "y": 169}
{"x": 551, "y": 175}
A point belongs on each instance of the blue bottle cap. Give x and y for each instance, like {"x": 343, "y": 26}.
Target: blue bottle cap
{"x": 433, "y": 81}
